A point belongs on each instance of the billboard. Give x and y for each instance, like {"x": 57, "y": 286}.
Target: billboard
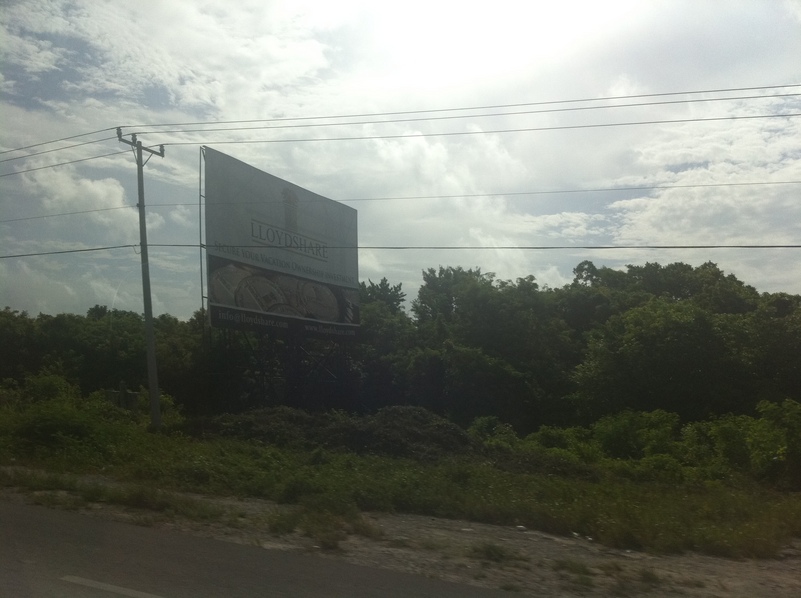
{"x": 280, "y": 258}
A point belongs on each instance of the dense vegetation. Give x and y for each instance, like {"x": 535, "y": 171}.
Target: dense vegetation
{"x": 690, "y": 341}
{"x": 657, "y": 407}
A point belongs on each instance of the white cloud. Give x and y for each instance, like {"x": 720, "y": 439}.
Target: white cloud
{"x": 82, "y": 66}
{"x": 34, "y": 56}
{"x": 794, "y": 8}
{"x": 62, "y": 190}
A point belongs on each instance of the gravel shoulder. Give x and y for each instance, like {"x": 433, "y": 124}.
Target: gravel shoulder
{"x": 521, "y": 561}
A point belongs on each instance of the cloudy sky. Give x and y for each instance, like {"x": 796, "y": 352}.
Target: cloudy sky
{"x": 496, "y": 128}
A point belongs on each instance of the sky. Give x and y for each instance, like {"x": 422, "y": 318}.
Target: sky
{"x": 518, "y": 135}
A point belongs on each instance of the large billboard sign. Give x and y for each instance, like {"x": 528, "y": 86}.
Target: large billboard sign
{"x": 280, "y": 258}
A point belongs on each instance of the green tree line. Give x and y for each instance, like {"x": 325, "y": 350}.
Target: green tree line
{"x": 691, "y": 341}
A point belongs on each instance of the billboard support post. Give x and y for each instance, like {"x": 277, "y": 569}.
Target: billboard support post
{"x": 150, "y": 337}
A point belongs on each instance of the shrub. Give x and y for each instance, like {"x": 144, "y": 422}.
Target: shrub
{"x": 633, "y": 435}
{"x": 400, "y": 431}
{"x": 54, "y": 425}
{"x": 577, "y": 440}
{"x": 784, "y": 419}
{"x": 10, "y": 393}
{"x": 45, "y": 386}
{"x": 414, "y": 432}
{"x": 655, "y": 468}
{"x": 490, "y": 430}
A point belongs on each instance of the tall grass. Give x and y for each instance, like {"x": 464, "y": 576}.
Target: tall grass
{"x": 740, "y": 519}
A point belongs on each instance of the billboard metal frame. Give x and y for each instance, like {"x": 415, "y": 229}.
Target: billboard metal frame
{"x": 295, "y": 368}
{"x": 297, "y": 275}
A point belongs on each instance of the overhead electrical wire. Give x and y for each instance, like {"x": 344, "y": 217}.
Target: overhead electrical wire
{"x": 427, "y": 248}
{"x": 410, "y": 136}
{"x": 489, "y": 132}
{"x": 423, "y": 135}
{"x": 450, "y": 117}
{"x": 153, "y": 206}
{"x": 16, "y": 172}
{"x": 58, "y": 149}
{"x": 19, "y": 149}
{"x": 488, "y": 107}
{"x": 435, "y": 111}
{"x": 65, "y": 214}
{"x": 521, "y": 247}
{"x": 65, "y": 251}
{"x": 558, "y": 191}
{"x": 440, "y": 110}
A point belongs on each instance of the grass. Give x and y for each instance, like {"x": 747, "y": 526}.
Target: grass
{"x": 433, "y": 544}
{"x": 494, "y": 553}
{"x": 579, "y": 573}
{"x": 511, "y": 587}
{"x": 610, "y": 568}
{"x": 571, "y": 566}
{"x": 326, "y": 527}
{"x": 67, "y": 491}
{"x": 58, "y": 499}
{"x": 331, "y": 488}
{"x": 650, "y": 577}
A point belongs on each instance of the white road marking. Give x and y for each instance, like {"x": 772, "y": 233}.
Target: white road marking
{"x": 99, "y": 585}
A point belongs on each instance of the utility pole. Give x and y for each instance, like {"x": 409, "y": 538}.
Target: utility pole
{"x": 150, "y": 336}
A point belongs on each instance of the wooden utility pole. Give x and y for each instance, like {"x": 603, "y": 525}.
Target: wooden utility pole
{"x": 150, "y": 335}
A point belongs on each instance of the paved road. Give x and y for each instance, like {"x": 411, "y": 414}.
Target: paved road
{"x": 60, "y": 554}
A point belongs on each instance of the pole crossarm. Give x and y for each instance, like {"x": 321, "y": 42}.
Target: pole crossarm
{"x": 134, "y": 143}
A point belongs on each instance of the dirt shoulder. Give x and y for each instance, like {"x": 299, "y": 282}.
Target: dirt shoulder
{"x": 526, "y": 562}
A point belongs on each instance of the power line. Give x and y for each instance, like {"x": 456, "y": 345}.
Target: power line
{"x": 65, "y": 251}
{"x": 426, "y": 248}
{"x": 488, "y": 107}
{"x": 19, "y": 149}
{"x": 568, "y": 247}
{"x": 457, "y": 196}
{"x": 496, "y": 131}
{"x": 16, "y": 172}
{"x": 391, "y": 121}
{"x": 58, "y": 149}
{"x": 402, "y": 136}
{"x": 505, "y": 247}
{"x": 436, "y": 110}
{"x": 558, "y": 191}
{"x": 458, "y": 116}
{"x": 64, "y": 214}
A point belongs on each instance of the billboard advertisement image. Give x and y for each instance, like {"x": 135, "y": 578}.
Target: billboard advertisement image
{"x": 279, "y": 257}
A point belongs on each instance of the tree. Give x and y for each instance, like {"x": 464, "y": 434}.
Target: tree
{"x": 391, "y": 295}
{"x": 437, "y": 296}
{"x": 19, "y": 354}
{"x": 665, "y": 355}
{"x": 386, "y": 336}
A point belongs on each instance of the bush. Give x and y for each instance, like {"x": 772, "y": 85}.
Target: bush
{"x": 655, "y": 468}
{"x": 533, "y": 459}
{"x": 53, "y": 425}
{"x": 77, "y": 434}
{"x": 491, "y": 431}
{"x": 416, "y": 433}
{"x": 577, "y": 440}
{"x": 633, "y": 435}
{"x": 401, "y": 431}
{"x": 45, "y": 386}
{"x": 784, "y": 419}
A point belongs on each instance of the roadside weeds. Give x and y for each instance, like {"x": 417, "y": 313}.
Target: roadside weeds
{"x": 518, "y": 561}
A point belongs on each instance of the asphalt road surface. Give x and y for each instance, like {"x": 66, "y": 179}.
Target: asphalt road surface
{"x": 61, "y": 554}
